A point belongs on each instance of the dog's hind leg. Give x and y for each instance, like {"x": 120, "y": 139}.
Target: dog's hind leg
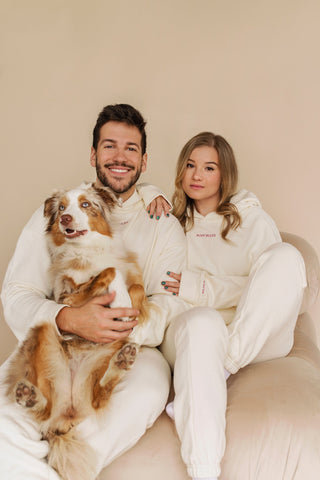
{"x": 27, "y": 380}
{"x": 29, "y": 396}
{"x": 121, "y": 361}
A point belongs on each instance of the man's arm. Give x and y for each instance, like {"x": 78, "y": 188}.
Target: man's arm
{"x": 96, "y": 323}
{"x": 26, "y": 292}
{"x": 168, "y": 253}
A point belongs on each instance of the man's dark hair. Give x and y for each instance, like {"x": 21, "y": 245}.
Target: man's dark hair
{"x": 122, "y": 113}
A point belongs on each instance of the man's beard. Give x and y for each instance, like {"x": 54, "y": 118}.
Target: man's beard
{"x": 101, "y": 174}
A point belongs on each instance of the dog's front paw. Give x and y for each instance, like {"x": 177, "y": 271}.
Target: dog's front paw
{"x": 26, "y": 394}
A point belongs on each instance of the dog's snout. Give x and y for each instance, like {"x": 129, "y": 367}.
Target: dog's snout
{"x": 65, "y": 220}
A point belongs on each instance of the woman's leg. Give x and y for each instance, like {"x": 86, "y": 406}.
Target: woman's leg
{"x": 196, "y": 345}
{"x": 264, "y": 323}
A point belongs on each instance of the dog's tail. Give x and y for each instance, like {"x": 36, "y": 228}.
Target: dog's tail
{"x": 71, "y": 456}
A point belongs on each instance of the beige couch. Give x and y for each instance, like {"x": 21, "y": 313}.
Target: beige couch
{"x": 273, "y": 415}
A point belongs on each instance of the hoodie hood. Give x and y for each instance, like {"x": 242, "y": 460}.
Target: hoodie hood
{"x": 244, "y": 200}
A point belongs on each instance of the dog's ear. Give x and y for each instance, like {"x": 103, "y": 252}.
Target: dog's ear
{"x": 106, "y": 195}
{"x": 50, "y": 209}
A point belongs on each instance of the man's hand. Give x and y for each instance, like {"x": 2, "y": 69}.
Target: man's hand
{"x": 94, "y": 322}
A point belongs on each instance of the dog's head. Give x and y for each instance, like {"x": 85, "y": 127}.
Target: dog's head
{"x": 73, "y": 214}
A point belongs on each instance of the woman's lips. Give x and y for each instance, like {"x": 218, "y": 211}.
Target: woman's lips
{"x": 196, "y": 187}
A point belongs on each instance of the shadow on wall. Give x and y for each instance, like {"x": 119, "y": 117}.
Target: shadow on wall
{"x": 7, "y": 340}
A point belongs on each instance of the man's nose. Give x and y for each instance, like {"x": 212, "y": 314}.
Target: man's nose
{"x": 119, "y": 154}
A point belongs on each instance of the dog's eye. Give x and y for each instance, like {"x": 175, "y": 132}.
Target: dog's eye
{"x": 61, "y": 207}
{"x": 85, "y": 204}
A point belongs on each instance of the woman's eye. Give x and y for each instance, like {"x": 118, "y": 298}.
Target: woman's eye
{"x": 85, "y": 204}
{"x": 189, "y": 165}
{"x": 61, "y": 208}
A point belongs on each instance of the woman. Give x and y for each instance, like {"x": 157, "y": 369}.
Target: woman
{"x": 248, "y": 284}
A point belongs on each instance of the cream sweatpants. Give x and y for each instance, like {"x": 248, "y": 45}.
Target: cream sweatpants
{"x": 199, "y": 346}
{"x": 135, "y": 404}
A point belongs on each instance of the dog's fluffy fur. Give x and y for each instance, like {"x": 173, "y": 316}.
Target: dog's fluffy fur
{"x": 61, "y": 379}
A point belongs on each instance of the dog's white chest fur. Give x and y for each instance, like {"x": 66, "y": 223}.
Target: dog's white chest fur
{"x": 81, "y": 262}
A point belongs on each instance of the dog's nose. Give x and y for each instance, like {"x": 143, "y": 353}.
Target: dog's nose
{"x": 65, "y": 220}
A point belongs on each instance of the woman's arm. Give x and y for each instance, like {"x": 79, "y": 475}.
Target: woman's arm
{"x": 155, "y": 200}
{"x": 199, "y": 288}
{"x": 222, "y": 290}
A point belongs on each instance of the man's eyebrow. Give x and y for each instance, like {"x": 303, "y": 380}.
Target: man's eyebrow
{"x": 110, "y": 140}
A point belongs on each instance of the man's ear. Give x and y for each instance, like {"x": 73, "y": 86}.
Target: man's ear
{"x": 144, "y": 162}
{"x": 93, "y": 157}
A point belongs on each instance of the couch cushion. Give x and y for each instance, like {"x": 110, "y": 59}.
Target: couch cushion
{"x": 155, "y": 457}
{"x": 273, "y": 419}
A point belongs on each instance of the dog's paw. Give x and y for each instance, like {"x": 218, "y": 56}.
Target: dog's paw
{"x": 121, "y": 361}
{"x": 125, "y": 358}
{"x": 26, "y": 394}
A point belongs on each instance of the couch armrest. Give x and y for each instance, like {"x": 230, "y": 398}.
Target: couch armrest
{"x": 312, "y": 268}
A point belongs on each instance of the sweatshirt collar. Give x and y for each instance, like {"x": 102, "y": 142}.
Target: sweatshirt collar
{"x": 133, "y": 202}
{"x": 209, "y": 216}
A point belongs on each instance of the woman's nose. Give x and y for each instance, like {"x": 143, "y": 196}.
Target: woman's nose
{"x": 196, "y": 174}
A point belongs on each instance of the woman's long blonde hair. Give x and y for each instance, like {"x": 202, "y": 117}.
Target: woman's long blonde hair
{"x": 183, "y": 206}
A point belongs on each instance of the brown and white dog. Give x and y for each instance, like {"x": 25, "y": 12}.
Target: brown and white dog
{"x": 61, "y": 379}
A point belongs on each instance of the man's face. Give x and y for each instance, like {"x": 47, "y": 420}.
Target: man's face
{"x": 118, "y": 159}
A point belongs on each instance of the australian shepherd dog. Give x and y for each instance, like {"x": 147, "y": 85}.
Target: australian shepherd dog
{"x": 62, "y": 378}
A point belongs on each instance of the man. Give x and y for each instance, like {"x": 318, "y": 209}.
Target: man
{"x": 119, "y": 156}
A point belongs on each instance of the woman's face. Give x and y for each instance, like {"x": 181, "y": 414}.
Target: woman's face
{"x": 202, "y": 179}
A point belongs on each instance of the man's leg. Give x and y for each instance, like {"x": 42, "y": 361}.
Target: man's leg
{"x": 135, "y": 404}
{"x": 22, "y": 452}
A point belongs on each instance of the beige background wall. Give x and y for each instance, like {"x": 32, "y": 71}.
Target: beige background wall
{"x": 247, "y": 69}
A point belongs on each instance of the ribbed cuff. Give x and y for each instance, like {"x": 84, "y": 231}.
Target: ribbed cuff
{"x": 203, "y": 471}
{"x": 230, "y": 365}
{"x": 189, "y": 286}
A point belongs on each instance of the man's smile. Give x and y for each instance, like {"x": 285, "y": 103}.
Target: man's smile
{"x": 119, "y": 169}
